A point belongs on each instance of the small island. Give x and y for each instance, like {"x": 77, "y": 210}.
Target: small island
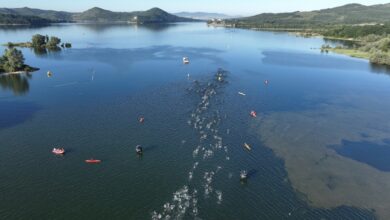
{"x": 12, "y": 62}
{"x": 41, "y": 42}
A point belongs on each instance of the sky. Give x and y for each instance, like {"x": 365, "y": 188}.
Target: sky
{"x": 231, "y": 7}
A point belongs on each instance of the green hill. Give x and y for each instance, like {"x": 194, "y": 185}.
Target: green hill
{"x": 10, "y": 19}
{"x": 347, "y": 14}
{"x": 154, "y": 15}
{"x": 94, "y": 15}
{"x": 54, "y": 16}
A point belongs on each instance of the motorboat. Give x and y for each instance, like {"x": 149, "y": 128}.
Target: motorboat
{"x": 141, "y": 120}
{"x": 241, "y": 93}
{"x": 138, "y": 149}
{"x": 49, "y": 73}
{"x": 93, "y": 161}
{"x": 266, "y": 82}
{"x": 58, "y": 151}
{"x": 253, "y": 114}
{"x": 186, "y": 60}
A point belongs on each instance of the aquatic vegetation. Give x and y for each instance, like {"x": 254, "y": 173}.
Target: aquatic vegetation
{"x": 327, "y": 179}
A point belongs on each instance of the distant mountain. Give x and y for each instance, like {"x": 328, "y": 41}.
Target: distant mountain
{"x": 55, "y": 16}
{"x": 100, "y": 15}
{"x": 203, "y": 15}
{"x": 10, "y": 19}
{"x": 347, "y": 14}
{"x": 96, "y": 15}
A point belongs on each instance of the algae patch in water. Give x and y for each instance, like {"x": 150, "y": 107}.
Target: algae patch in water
{"x": 303, "y": 139}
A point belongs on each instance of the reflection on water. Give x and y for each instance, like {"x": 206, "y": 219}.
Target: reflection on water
{"x": 120, "y": 57}
{"x": 46, "y": 51}
{"x": 340, "y": 42}
{"x": 101, "y": 28}
{"x": 18, "y": 83}
{"x": 382, "y": 69}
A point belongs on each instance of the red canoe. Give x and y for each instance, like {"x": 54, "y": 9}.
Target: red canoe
{"x": 93, "y": 161}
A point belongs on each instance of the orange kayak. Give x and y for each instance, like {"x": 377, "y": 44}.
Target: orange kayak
{"x": 93, "y": 161}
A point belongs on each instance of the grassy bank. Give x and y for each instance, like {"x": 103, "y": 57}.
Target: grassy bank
{"x": 351, "y": 52}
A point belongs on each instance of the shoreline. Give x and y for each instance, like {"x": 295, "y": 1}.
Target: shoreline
{"x": 31, "y": 70}
{"x": 308, "y": 33}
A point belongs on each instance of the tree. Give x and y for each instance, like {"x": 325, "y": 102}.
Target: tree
{"x": 2, "y": 60}
{"x": 53, "y": 42}
{"x": 38, "y": 41}
{"x": 12, "y": 60}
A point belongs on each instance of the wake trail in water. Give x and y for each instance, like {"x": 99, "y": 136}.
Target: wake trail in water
{"x": 205, "y": 119}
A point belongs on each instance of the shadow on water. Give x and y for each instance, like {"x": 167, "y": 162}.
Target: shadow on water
{"x": 13, "y": 113}
{"x": 18, "y": 83}
{"x": 373, "y": 154}
{"x": 252, "y": 173}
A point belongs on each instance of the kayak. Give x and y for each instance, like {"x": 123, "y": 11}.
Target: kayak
{"x": 58, "y": 151}
{"x": 253, "y": 114}
{"x": 93, "y": 161}
{"x": 247, "y": 146}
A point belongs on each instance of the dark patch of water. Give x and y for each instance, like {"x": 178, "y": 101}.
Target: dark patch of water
{"x": 373, "y": 154}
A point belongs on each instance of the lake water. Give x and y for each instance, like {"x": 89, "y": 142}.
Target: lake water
{"x": 195, "y": 126}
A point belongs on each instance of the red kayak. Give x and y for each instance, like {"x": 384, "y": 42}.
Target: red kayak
{"x": 93, "y": 161}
